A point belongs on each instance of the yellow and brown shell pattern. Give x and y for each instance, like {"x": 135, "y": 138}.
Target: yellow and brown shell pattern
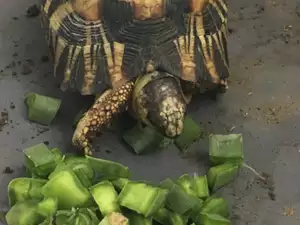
{"x": 98, "y": 44}
{"x": 105, "y": 44}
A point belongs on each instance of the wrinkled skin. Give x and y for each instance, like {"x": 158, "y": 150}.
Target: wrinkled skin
{"x": 157, "y": 100}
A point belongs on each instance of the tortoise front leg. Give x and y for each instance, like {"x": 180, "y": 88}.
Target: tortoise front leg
{"x": 100, "y": 115}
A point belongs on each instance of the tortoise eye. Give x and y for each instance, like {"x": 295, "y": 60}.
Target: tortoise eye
{"x": 88, "y": 9}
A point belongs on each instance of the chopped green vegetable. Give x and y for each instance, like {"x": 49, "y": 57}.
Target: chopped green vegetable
{"x": 41, "y": 109}
{"x": 194, "y": 212}
{"x": 144, "y": 140}
{"x": 64, "y": 217}
{"x": 201, "y": 186}
{"x": 67, "y": 188}
{"x": 226, "y": 148}
{"x": 162, "y": 216}
{"x": 47, "y": 207}
{"x": 21, "y": 189}
{"x": 58, "y": 155}
{"x": 176, "y": 194}
{"x": 214, "y": 205}
{"x": 142, "y": 198}
{"x": 211, "y": 219}
{"x": 191, "y": 133}
{"x": 188, "y": 184}
{"x": 167, "y": 217}
{"x": 39, "y": 160}
{"x": 119, "y": 183}
{"x": 177, "y": 219}
{"x": 108, "y": 170}
{"x": 80, "y": 166}
{"x": 221, "y": 175}
{"x": 114, "y": 219}
{"x": 137, "y": 219}
{"x": 48, "y": 221}
{"x": 105, "y": 196}
{"x": 82, "y": 216}
{"x": 24, "y": 213}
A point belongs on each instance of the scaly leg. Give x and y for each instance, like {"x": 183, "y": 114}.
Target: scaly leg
{"x": 100, "y": 115}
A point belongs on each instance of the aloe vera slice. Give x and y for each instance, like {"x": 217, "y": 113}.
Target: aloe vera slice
{"x": 114, "y": 219}
{"x": 214, "y": 205}
{"x": 226, "y": 148}
{"x": 119, "y": 183}
{"x": 194, "y": 212}
{"x": 108, "y": 170}
{"x": 201, "y": 186}
{"x": 24, "y": 213}
{"x": 137, "y": 219}
{"x": 48, "y": 221}
{"x": 211, "y": 219}
{"x": 144, "y": 140}
{"x": 58, "y": 155}
{"x": 80, "y": 166}
{"x": 176, "y": 218}
{"x": 167, "y": 217}
{"x": 65, "y": 217}
{"x": 21, "y": 189}
{"x": 82, "y": 216}
{"x": 191, "y": 132}
{"x": 221, "y": 175}
{"x": 142, "y": 198}
{"x": 176, "y": 194}
{"x": 47, "y": 207}
{"x": 39, "y": 160}
{"x": 188, "y": 184}
{"x": 105, "y": 196}
{"x": 41, "y": 109}
{"x": 162, "y": 216}
{"x": 67, "y": 188}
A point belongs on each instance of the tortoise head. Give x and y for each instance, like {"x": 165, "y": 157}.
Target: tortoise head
{"x": 158, "y": 101}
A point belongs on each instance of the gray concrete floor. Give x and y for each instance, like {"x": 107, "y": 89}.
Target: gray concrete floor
{"x": 262, "y": 103}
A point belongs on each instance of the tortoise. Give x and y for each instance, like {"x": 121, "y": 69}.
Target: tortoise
{"x": 146, "y": 56}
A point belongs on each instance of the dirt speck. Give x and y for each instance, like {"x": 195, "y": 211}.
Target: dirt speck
{"x": 8, "y": 170}
{"x": 45, "y": 58}
{"x": 3, "y": 119}
{"x": 288, "y": 211}
{"x": 298, "y": 10}
{"x": 32, "y": 11}
{"x": 12, "y": 105}
{"x": 268, "y": 184}
{"x": 11, "y": 65}
{"x": 26, "y": 68}
{"x": 42, "y": 130}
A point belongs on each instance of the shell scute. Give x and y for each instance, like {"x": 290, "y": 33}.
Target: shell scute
{"x": 105, "y": 46}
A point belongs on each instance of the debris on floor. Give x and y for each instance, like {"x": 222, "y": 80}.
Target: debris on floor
{"x": 288, "y": 211}
{"x": 268, "y": 183}
{"x": 8, "y": 170}
{"x": 3, "y": 119}
{"x": 33, "y": 11}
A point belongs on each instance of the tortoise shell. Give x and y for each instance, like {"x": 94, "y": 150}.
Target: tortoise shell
{"x": 100, "y": 44}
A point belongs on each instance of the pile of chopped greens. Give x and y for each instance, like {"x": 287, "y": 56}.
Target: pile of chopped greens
{"x": 66, "y": 189}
